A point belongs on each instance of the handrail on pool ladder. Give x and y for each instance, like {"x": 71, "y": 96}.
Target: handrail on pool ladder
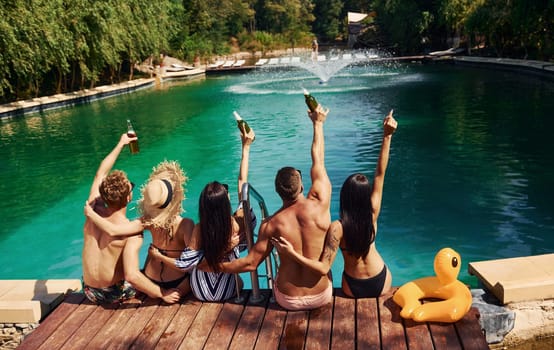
{"x": 247, "y": 192}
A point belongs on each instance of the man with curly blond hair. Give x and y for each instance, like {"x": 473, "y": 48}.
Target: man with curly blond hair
{"x": 103, "y": 265}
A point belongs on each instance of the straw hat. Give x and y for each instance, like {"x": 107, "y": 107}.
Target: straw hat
{"x": 162, "y": 195}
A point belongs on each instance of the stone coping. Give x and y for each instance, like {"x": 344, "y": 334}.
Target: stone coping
{"x": 519, "y": 314}
{"x": 28, "y": 301}
{"x": 517, "y": 279}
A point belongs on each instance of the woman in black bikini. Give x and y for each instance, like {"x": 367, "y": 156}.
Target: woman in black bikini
{"x": 365, "y": 273}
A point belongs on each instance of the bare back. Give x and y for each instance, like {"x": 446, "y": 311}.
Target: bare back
{"x": 304, "y": 224}
{"x": 102, "y": 253}
{"x": 364, "y": 267}
{"x": 172, "y": 247}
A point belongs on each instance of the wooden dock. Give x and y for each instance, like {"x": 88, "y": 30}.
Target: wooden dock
{"x": 148, "y": 324}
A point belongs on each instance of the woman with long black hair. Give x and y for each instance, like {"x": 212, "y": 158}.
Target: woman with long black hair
{"x": 214, "y": 238}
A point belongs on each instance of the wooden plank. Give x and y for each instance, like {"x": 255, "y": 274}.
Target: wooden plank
{"x": 470, "y": 332}
{"x": 352, "y": 323}
{"x": 418, "y": 335}
{"x": 88, "y": 329}
{"x": 114, "y": 324}
{"x": 294, "y": 333}
{"x": 319, "y": 328}
{"x": 52, "y": 322}
{"x": 250, "y": 324}
{"x": 226, "y": 324}
{"x": 392, "y": 329}
{"x": 125, "y": 336}
{"x": 344, "y": 331}
{"x": 180, "y": 324}
{"x": 154, "y": 329}
{"x": 272, "y": 327}
{"x": 444, "y": 336}
{"x": 367, "y": 324}
{"x": 69, "y": 326}
{"x": 200, "y": 329}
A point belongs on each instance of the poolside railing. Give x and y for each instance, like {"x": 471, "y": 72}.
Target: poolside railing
{"x": 247, "y": 192}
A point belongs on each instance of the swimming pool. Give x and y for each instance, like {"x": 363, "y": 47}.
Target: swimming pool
{"x": 470, "y": 168}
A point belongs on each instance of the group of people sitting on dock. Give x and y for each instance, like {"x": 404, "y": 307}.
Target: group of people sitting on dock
{"x": 203, "y": 258}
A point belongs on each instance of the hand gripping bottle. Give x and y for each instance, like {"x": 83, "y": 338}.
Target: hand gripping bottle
{"x": 240, "y": 122}
{"x": 133, "y": 145}
{"x": 310, "y": 101}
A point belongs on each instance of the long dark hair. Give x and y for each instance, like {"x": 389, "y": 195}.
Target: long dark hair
{"x": 214, "y": 210}
{"x": 356, "y": 215}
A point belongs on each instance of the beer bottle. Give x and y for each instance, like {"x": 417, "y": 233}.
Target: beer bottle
{"x": 241, "y": 121}
{"x": 133, "y": 145}
{"x": 310, "y": 101}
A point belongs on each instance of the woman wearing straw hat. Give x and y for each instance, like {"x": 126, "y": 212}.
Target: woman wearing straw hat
{"x": 161, "y": 208}
{"x": 214, "y": 239}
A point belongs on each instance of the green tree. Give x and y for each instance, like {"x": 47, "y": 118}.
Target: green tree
{"x": 405, "y": 21}
{"x": 23, "y": 37}
{"x": 328, "y": 19}
{"x": 289, "y": 18}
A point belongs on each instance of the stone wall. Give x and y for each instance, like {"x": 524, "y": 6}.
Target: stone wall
{"x": 11, "y": 334}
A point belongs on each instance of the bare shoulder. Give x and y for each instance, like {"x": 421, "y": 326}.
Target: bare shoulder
{"x": 192, "y": 239}
{"x": 268, "y": 227}
{"x": 185, "y": 228}
{"x": 186, "y": 224}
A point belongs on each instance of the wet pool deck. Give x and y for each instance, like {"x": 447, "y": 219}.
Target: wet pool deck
{"x": 148, "y": 324}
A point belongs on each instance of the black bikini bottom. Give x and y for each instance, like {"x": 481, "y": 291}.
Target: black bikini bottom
{"x": 367, "y": 287}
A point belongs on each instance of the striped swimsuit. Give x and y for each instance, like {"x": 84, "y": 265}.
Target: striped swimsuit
{"x": 207, "y": 286}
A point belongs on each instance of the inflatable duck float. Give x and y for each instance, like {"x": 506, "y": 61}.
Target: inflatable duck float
{"x": 455, "y": 297}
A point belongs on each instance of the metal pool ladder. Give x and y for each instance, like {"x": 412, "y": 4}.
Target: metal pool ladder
{"x": 247, "y": 193}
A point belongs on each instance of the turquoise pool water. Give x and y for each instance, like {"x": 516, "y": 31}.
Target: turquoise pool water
{"x": 471, "y": 165}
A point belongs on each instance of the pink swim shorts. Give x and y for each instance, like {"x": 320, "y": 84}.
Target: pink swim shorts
{"x": 304, "y": 302}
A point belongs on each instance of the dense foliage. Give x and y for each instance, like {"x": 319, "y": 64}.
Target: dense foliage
{"x": 53, "y": 46}
{"x": 510, "y": 28}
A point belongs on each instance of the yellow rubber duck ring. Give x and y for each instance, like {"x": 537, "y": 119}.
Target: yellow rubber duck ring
{"x": 455, "y": 297}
